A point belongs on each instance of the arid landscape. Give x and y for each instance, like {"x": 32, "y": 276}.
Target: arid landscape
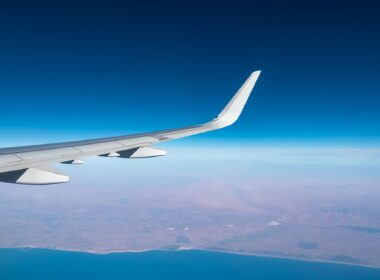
{"x": 276, "y": 207}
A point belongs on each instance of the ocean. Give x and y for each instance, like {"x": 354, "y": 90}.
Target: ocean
{"x": 190, "y": 264}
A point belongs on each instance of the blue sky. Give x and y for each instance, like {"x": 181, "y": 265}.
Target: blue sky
{"x": 309, "y": 137}
{"x": 79, "y": 69}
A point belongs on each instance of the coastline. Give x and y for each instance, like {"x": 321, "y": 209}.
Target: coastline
{"x": 30, "y": 247}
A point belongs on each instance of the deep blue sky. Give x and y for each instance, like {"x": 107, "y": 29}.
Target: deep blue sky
{"x": 77, "y": 69}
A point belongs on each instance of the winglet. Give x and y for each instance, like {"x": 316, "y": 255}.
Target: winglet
{"x": 233, "y": 109}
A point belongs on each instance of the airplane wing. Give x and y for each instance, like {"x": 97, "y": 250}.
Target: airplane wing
{"x": 30, "y": 164}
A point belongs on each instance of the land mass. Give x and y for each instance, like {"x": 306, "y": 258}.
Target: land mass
{"x": 267, "y": 210}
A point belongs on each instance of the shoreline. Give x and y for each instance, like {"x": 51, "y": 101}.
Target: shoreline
{"x": 30, "y": 247}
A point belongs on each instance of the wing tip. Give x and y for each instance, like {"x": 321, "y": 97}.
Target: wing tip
{"x": 235, "y": 106}
{"x": 255, "y": 73}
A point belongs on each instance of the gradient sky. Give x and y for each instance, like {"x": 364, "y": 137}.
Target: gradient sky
{"x": 309, "y": 138}
{"x": 78, "y": 69}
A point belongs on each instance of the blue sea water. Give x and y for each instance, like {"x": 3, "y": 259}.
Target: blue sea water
{"x": 51, "y": 264}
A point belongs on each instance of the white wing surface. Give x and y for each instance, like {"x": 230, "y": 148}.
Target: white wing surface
{"x": 30, "y": 164}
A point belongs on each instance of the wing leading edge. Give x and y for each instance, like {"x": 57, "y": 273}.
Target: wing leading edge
{"x": 29, "y": 164}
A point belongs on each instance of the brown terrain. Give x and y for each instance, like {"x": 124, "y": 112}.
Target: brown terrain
{"x": 313, "y": 211}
